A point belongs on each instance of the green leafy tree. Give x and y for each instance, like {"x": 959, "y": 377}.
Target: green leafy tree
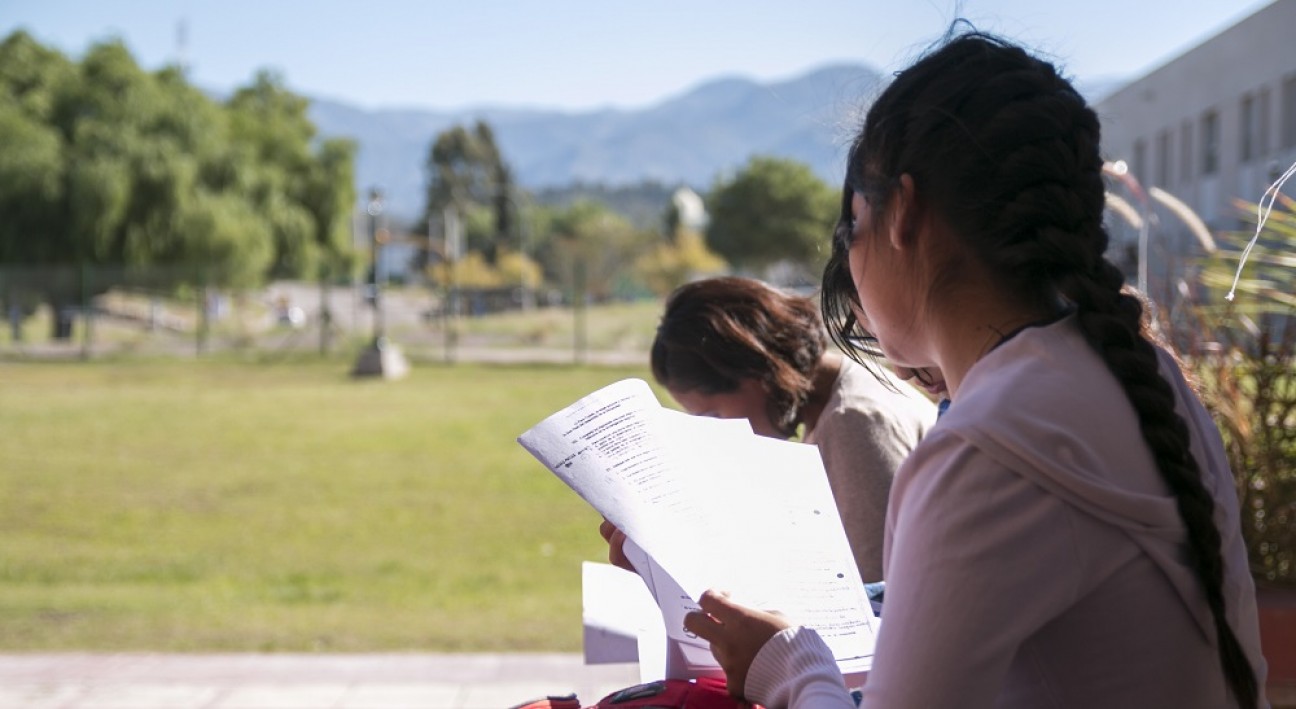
{"x": 328, "y": 195}
{"x": 158, "y": 183}
{"x": 479, "y": 229}
{"x": 467, "y": 172}
{"x": 588, "y": 247}
{"x": 31, "y": 147}
{"x": 102, "y": 163}
{"x": 271, "y": 122}
{"x": 772, "y": 210}
{"x": 31, "y": 187}
{"x": 32, "y": 170}
{"x": 670, "y": 264}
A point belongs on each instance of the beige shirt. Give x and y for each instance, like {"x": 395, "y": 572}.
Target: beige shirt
{"x": 864, "y": 433}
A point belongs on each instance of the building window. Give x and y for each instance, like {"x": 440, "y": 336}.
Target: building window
{"x": 1210, "y": 141}
{"x": 1248, "y": 128}
{"x": 1289, "y": 113}
{"x": 1140, "y": 161}
{"x": 1163, "y": 158}
{"x": 1264, "y": 112}
{"x": 1186, "y": 152}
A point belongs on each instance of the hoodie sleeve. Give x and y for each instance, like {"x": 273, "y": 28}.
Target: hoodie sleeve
{"x": 796, "y": 669}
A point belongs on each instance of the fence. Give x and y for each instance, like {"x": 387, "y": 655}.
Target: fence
{"x": 91, "y": 312}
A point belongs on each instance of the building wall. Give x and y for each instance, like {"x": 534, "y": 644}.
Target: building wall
{"x": 1160, "y": 124}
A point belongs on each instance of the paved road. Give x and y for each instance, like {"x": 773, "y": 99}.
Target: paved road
{"x": 238, "y": 681}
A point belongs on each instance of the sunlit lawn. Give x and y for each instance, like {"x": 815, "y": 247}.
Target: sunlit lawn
{"x": 180, "y": 505}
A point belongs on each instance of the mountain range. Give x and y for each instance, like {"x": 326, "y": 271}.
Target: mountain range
{"x": 691, "y": 138}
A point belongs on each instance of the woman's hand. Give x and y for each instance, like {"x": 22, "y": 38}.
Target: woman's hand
{"x": 736, "y": 634}
{"x": 616, "y": 545}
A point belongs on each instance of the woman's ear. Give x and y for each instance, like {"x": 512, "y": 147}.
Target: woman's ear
{"x": 904, "y": 214}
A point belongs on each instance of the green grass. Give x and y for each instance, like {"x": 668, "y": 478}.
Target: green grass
{"x": 218, "y": 505}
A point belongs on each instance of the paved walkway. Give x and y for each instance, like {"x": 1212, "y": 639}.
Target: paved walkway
{"x": 388, "y": 681}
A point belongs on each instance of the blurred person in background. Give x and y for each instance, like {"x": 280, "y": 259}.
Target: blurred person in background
{"x": 738, "y": 348}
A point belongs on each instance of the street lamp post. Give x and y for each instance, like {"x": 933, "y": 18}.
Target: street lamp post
{"x": 1144, "y": 219}
{"x": 374, "y": 210}
{"x": 1120, "y": 170}
{"x": 453, "y": 235}
{"x": 381, "y": 358}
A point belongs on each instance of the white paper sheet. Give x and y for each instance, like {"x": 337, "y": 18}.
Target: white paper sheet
{"x": 717, "y": 507}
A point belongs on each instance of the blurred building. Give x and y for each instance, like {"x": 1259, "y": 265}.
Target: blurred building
{"x": 690, "y": 208}
{"x": 1213, "y": 125}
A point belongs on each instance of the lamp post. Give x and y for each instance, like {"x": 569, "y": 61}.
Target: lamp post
{"x": 374, "y": 210}
{"x": 380, "y": 358}
{"x": 453, "y": 234}
{"x": 1120, "y": 170}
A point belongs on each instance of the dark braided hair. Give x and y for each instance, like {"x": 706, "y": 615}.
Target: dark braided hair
{"x": 1003, "y": 148}
{"x": 717, "y": 332}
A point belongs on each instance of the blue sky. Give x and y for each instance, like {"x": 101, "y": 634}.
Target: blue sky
{"x": 583, "y": 54}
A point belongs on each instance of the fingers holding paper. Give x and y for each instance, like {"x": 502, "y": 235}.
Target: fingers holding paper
{"x": 616, "y": 545}
{"x": 736, "y": 633}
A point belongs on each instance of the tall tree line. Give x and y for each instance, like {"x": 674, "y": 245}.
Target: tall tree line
{"x": 105, "y": 164}
{"x": 772, "y": 212}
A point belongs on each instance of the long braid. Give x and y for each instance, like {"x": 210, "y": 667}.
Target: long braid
{"x": 1102, "y": 309}
{"x": 1112, "y": 323}
{"x": 1012, "y": 157}
{"x": 1071, "y": 245}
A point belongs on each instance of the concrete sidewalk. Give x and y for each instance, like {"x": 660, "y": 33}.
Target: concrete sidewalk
{"x": 251, "y": 681}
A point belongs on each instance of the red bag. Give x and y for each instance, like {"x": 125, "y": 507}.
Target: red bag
{"x": 702, "y": 693}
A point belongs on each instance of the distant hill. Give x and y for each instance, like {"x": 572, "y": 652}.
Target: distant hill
{"x": 688, "y": 139}
{"x": 644, "y": 203}
{"x": 691, "y": 138}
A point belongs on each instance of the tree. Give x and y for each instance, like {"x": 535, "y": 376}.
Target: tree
{"x": 271, "y": 121}
{"x": 772, "y": 210}
{"x": 31, "y": 149}
{"x": 670, "y": 264}
{"x": 467, "y": 171}
{"x": 102, "y": 163}
{"x": 31, "y": 187}
{"x": 328, "y": 195}
{"x": 587, "y": 246}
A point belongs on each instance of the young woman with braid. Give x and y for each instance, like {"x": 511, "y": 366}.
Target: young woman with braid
{"x": 1068, "y": 535}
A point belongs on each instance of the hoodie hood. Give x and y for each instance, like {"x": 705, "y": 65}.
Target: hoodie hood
{"x": 1059, "y": 429}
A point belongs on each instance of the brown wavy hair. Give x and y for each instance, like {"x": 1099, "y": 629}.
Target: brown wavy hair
{"x": 717, "y": 332}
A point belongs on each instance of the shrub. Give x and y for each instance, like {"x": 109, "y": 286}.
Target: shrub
{"x": 1243, "y": 355}
{"x": 1249, "y": 384}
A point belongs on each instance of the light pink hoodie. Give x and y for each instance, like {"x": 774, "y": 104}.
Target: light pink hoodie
{"x": 1035, "y": 558}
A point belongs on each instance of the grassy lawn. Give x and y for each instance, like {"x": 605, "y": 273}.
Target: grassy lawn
{"x": 218, "y": 505}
